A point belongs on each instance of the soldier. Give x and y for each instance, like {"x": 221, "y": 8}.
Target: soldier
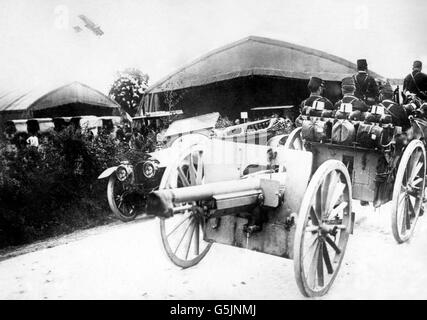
{"x": 416, "y": 82}
{"x": 397, "y": 112}
{"x": 348, "y": 88}
{"x": 366, "y": 86}
{"x": 316, "y": 86}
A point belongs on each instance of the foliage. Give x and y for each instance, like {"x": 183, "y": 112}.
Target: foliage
{"x": 128, "y": 89}
{"x": 54, "y": 189}
{"x": 172, "y": 97}
{"x": 223, "y": 122}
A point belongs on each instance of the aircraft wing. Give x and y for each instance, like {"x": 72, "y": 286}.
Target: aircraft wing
{"x": 97, "y": 31}
{"x": 91, "y": 25}
{"x": 87, "y": 21}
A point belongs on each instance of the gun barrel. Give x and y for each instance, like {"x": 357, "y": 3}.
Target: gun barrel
{"x": 161, "y": 203}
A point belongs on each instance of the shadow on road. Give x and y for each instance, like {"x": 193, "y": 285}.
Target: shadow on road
{"x": 11, "y": 252}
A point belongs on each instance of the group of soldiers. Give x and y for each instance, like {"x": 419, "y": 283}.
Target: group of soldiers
{"x": 362, "y": 91}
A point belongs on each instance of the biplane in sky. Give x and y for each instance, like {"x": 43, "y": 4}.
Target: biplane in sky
{"x": 91, "y": 25}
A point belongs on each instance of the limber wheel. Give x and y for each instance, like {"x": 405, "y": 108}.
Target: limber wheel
{"x": 118, "y": 199}
{"x": 323, "y": 228}
{"x": 294, "y": 140}
{"x": 408, "y": 191}
{"x": 182, "y": 234}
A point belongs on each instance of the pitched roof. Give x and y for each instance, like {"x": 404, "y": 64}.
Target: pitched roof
{"x": 258, "y": 56}
{"x": 74, "y": 92}
{"x": 37, "y": 98}
{"x": 16, "y": 100}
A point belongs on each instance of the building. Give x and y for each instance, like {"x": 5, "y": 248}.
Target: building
{"x": 13, "y": 105}
{"x": 252, "y": 72}
{"x": 74, "y": 99}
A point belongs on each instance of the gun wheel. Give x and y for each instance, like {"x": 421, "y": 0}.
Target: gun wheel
{"x": 294, "y": 140}
{"x": 408, "y": 191}
{"x": 322, "y": 229}
{"x": 183, "y": 234}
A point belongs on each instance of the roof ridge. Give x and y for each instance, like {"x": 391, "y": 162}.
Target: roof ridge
{"x": 206, "y": 55}
{"x": 31, "y": 106}
{"x": 98, "y": 91}
{"x": 304, "y": 49}
{"x": 20, "y": 97}
{"x": 50, "y": 92}
{"x": 312, "y": 51}
{"x": 265, "y": 40}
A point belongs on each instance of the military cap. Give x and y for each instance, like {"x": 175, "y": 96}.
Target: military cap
{"x": 386, "y": 89}
{"x": 362, "y": 64}
{"x": 417, "y": 64}
{"x": 348, "y": 85}
{"x": 315, "y": 83}
{"x": 349, "y": 81}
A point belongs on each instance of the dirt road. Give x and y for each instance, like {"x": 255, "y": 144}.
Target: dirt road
{"x": 126, "y": 261}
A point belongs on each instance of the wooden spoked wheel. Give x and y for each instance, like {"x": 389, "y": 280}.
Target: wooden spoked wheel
{"x": 120, "y": 200}
{"x": 182, "y": 234}
{"x": 294, "y": 140}
{"x": 408, "y": 191}
{"x": 323, "y": 229}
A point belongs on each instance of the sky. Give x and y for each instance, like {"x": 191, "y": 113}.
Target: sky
{"x": 39, "y": 47}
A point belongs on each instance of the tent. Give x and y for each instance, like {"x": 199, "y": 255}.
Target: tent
{"x": 252, "y": 72}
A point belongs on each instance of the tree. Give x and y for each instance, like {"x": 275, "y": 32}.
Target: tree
{"x": 128, "y": 89}
{"x": 172, "y": 97}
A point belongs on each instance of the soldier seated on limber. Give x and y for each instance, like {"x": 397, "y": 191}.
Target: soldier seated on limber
{"x": 397, "y": 112}
{"x": 416, "y": 82}
{"x": 315, "y": 103}
{"x": 366, "y": 86}
{"x": 350, "y": 107}
{"x": 348, "y": 88}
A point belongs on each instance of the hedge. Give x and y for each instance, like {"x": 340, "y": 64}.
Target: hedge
{"x": 54, "y": 189}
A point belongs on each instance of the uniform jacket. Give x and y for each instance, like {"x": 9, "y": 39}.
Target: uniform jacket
{"x": 366, "y": 88}
{"x": 356, "y": 102}
{"x": 420, "y": 80}
{"x": 314, "y": 97}
{"x": 398, "y": 113}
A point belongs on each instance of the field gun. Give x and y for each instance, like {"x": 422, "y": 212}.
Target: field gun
{"x": 258, "y": 198}
{"x": 292, "y": 201}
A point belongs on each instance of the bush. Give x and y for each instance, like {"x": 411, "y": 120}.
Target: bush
{"x": 54, "y": 189}
{"x": 223, "y": 123}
